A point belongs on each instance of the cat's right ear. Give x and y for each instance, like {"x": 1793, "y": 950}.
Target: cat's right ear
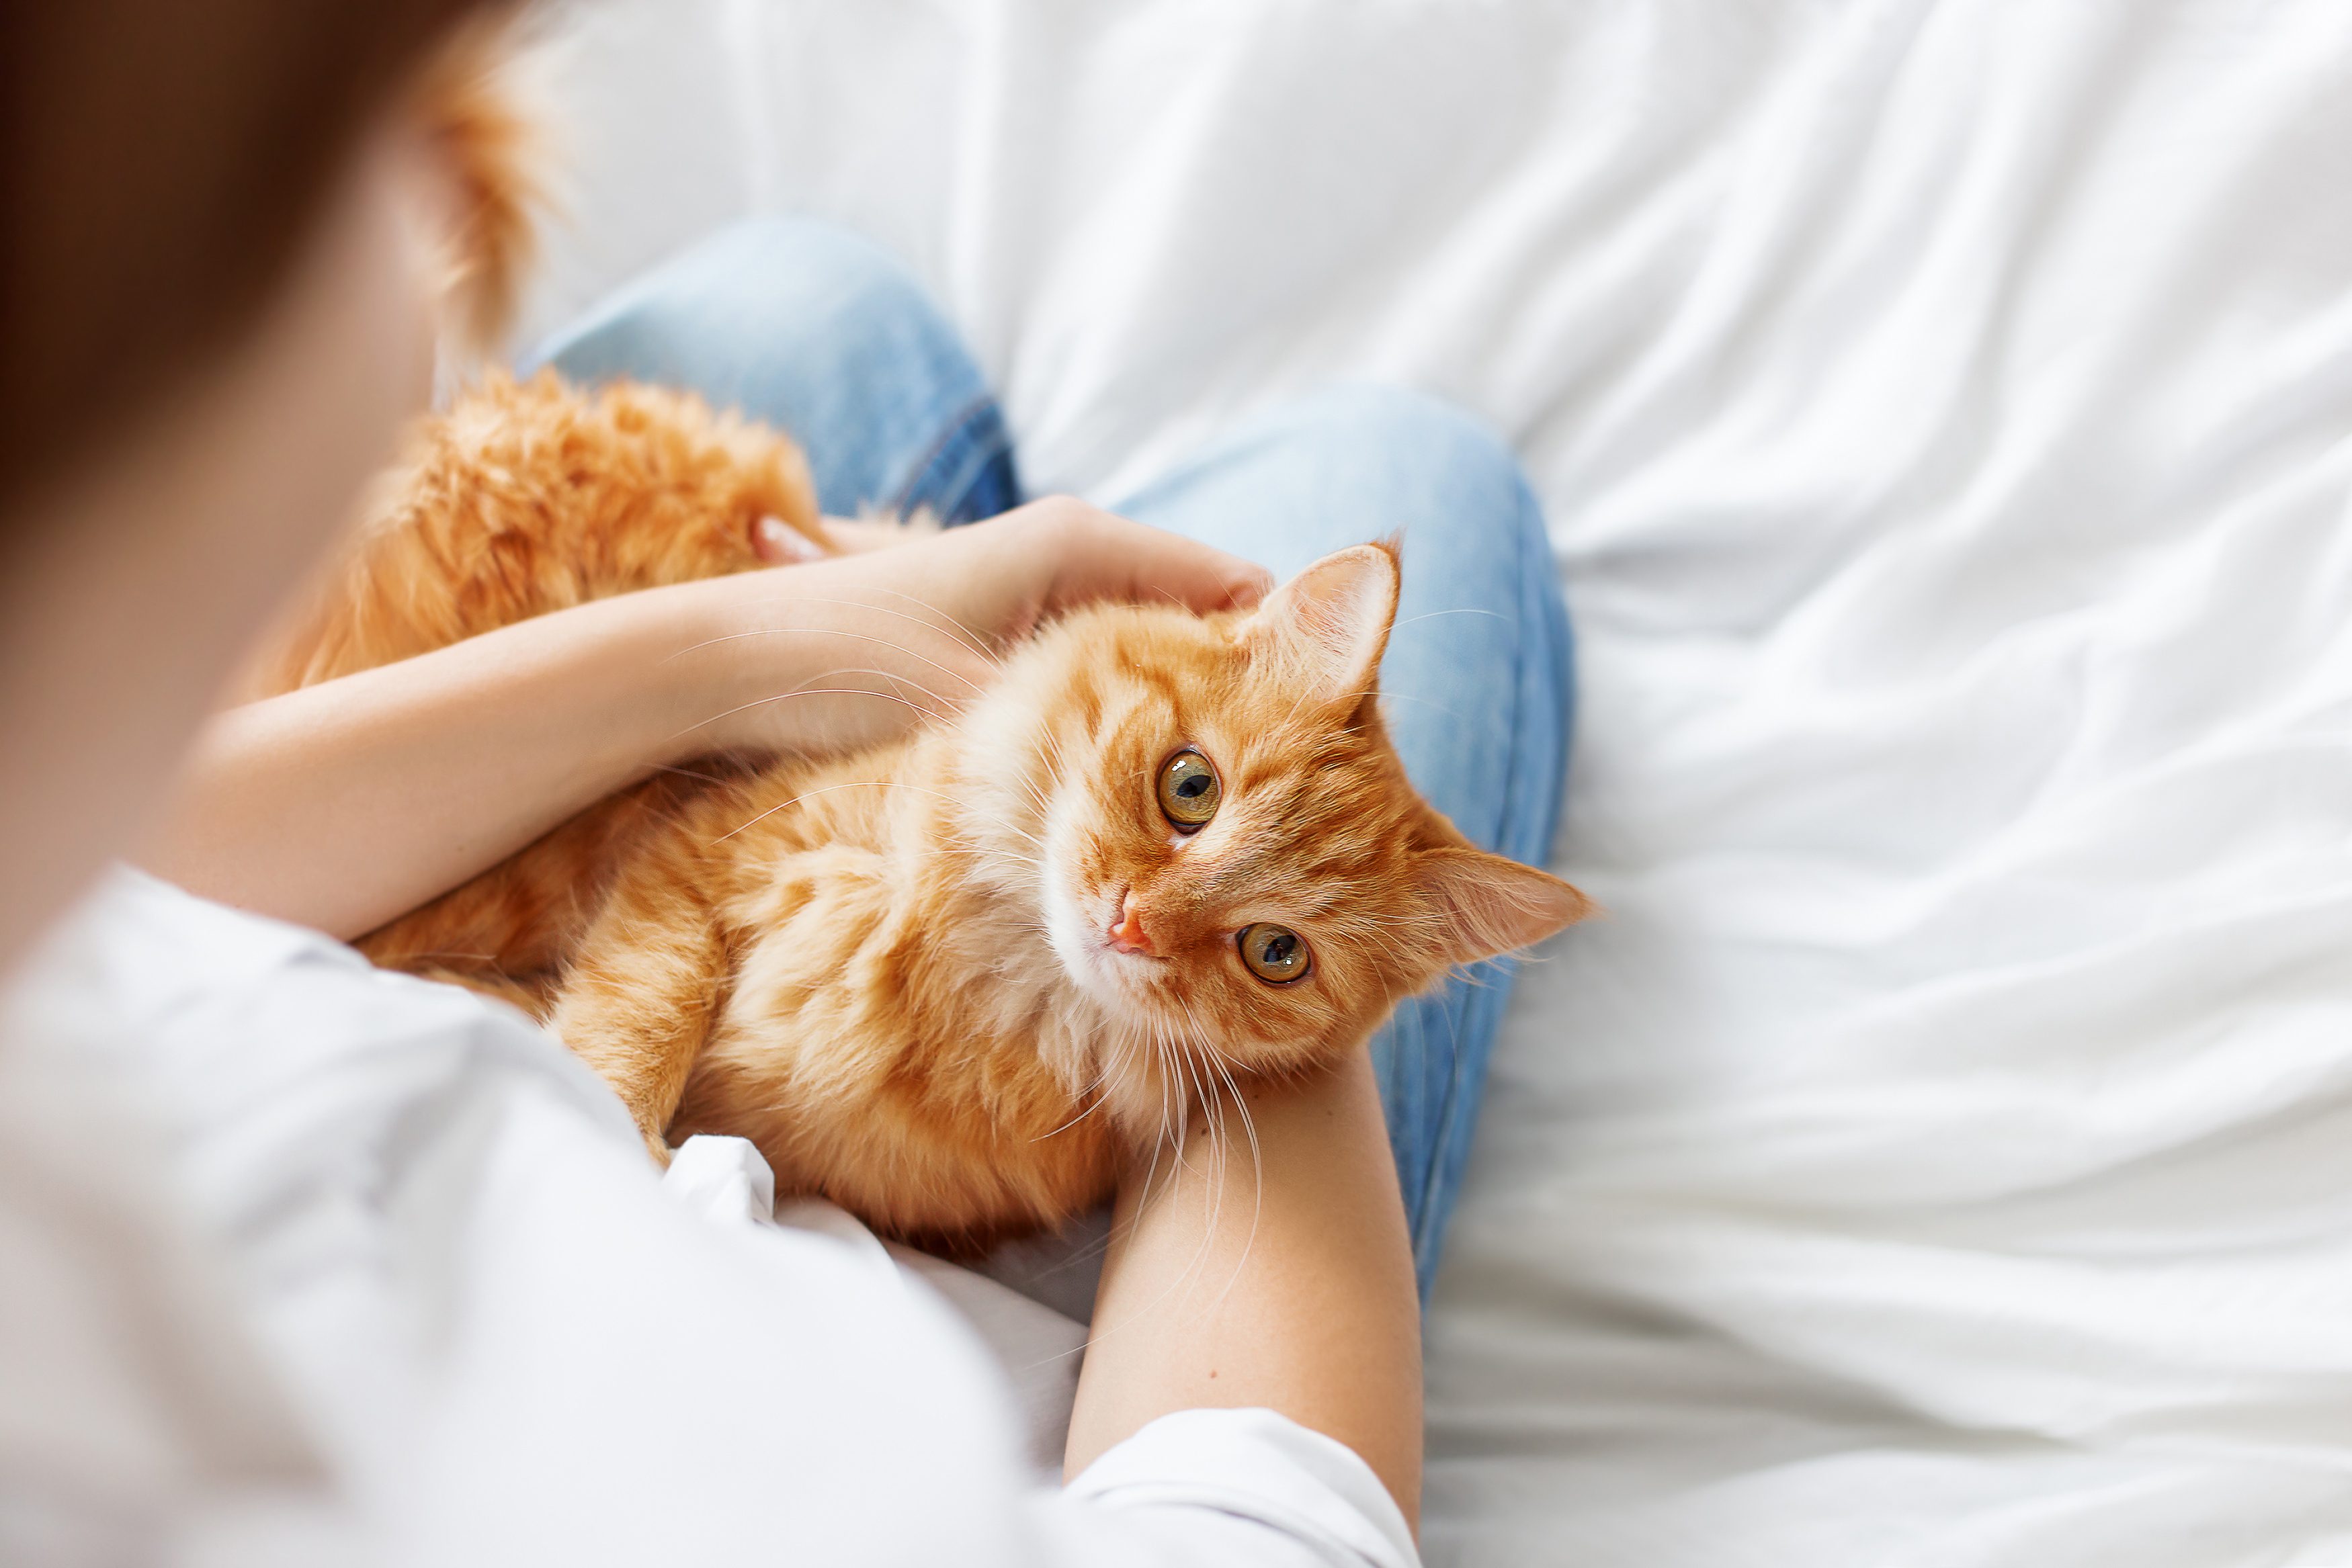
{"x": 1327, "y": 627}
{"x": 1489, "y": 904}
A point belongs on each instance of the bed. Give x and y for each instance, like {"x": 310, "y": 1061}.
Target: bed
{"x": 1941, "y": 1152}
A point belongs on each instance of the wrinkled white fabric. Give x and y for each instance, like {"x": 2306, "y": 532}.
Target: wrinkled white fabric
{"x": 304, "y": 1263}
{"x": 1941, "y": 1152}
{"x": 1037, "y": 1348}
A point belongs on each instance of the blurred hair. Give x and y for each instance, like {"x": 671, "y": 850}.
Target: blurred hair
{"x": 160, "y": 164}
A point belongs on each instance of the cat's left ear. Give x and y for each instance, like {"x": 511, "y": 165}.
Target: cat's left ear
{"x": 1490, "y": 904}
{"x": 1327, "y": 627}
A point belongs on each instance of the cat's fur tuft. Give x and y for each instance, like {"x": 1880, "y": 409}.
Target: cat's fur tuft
{"x": 490, "y": 151}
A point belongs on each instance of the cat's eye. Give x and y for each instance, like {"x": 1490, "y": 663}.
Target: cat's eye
{"x": 1188, "y": 789}
{"x": 1275, "y": 954}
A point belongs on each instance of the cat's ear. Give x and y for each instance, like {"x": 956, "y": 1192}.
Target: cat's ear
{"x": 1491, "y": 904}
{"x": 1325, "y": 627}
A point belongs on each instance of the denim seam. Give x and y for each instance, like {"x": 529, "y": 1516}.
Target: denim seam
{"x": 983, "y": 451}
{"x": 1498, "y": 972}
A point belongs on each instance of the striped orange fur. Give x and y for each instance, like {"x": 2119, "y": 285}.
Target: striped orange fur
{"x": 954, "y": 982}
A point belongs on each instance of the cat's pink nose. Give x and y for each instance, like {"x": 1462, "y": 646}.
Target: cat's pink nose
{"x": 1128, "y": 934}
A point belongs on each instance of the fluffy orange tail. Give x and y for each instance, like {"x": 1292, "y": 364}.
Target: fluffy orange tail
{"x": 493, "y": 154}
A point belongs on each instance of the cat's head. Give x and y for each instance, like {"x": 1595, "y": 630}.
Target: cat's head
{"x": 1231, "y": 850}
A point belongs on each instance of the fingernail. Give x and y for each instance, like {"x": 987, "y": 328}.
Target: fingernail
{"x": 778, "y": 541}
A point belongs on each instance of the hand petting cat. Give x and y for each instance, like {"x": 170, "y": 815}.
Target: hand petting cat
{"x": 1086, "y": 553}
{"x": 909, "y": 620}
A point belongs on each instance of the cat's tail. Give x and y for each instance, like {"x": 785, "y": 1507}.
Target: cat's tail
{"x": 471, "y": 111}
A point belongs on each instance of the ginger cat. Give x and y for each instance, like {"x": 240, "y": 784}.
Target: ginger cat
{"x": 953, "y": 982}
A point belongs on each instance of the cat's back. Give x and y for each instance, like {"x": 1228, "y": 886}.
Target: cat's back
{"x": 526, "y": 497}
{"x": 848, "y": 813}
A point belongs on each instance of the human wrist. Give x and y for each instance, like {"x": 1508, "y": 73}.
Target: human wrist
{"x": 1335, "y": 1103}
{"x": 1276, "y": 1272}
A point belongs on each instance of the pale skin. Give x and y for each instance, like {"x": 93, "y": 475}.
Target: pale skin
{"x": 131, "y": 592}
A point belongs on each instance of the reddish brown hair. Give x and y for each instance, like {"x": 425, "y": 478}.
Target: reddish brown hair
{"x": 160, "y": 162}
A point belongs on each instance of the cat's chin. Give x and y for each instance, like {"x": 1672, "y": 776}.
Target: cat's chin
{"x": 1115, "y": 979}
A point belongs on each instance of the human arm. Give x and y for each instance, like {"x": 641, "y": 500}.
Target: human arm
{"x": 1285, "y": 1282}
{"x": 341, "y": 805}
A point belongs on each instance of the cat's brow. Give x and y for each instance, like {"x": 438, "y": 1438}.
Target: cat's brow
{"x": 1273, "y": 849}
{"x": 1239, "y": 868}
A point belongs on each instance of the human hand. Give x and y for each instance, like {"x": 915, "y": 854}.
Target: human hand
{"x": 844, "y": 652}
{"x": 1062, "y": 552}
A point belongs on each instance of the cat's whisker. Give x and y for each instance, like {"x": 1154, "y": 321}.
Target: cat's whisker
{"x": 1092, "y": 1093}
{"x": 855, "y": 637}
{"x": 1218, "y": 1060}
{"x": 819, "y": 692}
{"x": 1172, "y": 1090}
{"x": 1467, "y": 609}
{"x": 1054, "y": 758}
{"x": 1188, "y": 1088}
{"x": 1037, "y": 797}
{"x": 1425, "y": 702}
{"x": 1197, "y": 1069}
{"x": 696, "y": 773}
{"x": 973, "y": 646}
{"x": 1100, "y": 1331}
{"x": 972, "y": 639}
{"x": 993, "y": 854}
{"x": 1171, "y": 1095}
{"x": 1220, "y": 1141}
{"x": 1213, "y": 1172}
{"x": 1092, "y": 1106}
{"x": 1161, "y": 1143}
{"x": 1041, "y": 792}
{"x": 873, "y": 783}
{"x": 1214, "y": 1061}
{"x": 807, "y": 795}
{"x": 900, "y": 681}
{"x": 966, "y": 807}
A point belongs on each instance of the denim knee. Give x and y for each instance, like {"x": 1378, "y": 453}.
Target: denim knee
{"x": 842, "y": 293}
{"x": 1473, "y": 538}
{"x": 824, "y": 334}
{"x": 759, "y": 278}
{"x": 1401, "y": 417}
{"x": 1436, "y": 464}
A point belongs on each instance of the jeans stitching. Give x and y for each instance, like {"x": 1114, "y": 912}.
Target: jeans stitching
{"x": 982, "y": 409}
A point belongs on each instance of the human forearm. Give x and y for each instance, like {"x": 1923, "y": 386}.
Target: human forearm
{"x": 344, "y": 804}
{"x": 348, "y": 803}
{"x": 1288, "y": 1283}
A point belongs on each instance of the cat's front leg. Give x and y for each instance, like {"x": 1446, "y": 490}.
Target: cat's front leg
{"x": 639, "y": 1000}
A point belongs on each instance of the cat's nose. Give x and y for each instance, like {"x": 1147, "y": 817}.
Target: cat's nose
{"x": 1127, "y": 934}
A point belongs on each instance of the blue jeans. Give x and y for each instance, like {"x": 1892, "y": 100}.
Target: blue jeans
{"x": 823, "y": 335}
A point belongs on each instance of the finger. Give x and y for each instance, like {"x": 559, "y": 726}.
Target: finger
{"x": 1201, "y": 577}
{"x": 855, "y": 536}
{"x": 780, "y": 544}
{"x": 1126, "y": 559}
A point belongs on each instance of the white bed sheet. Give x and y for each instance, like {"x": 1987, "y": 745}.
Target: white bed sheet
{"x": 1941, "y": 1154}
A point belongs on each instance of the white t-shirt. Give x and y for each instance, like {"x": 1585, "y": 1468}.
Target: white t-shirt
{"x": 305, "y": 1262}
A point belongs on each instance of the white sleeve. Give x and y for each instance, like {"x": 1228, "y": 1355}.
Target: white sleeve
{"x": 510, "y": 1343}
{"x": 1238, "y": 1487}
